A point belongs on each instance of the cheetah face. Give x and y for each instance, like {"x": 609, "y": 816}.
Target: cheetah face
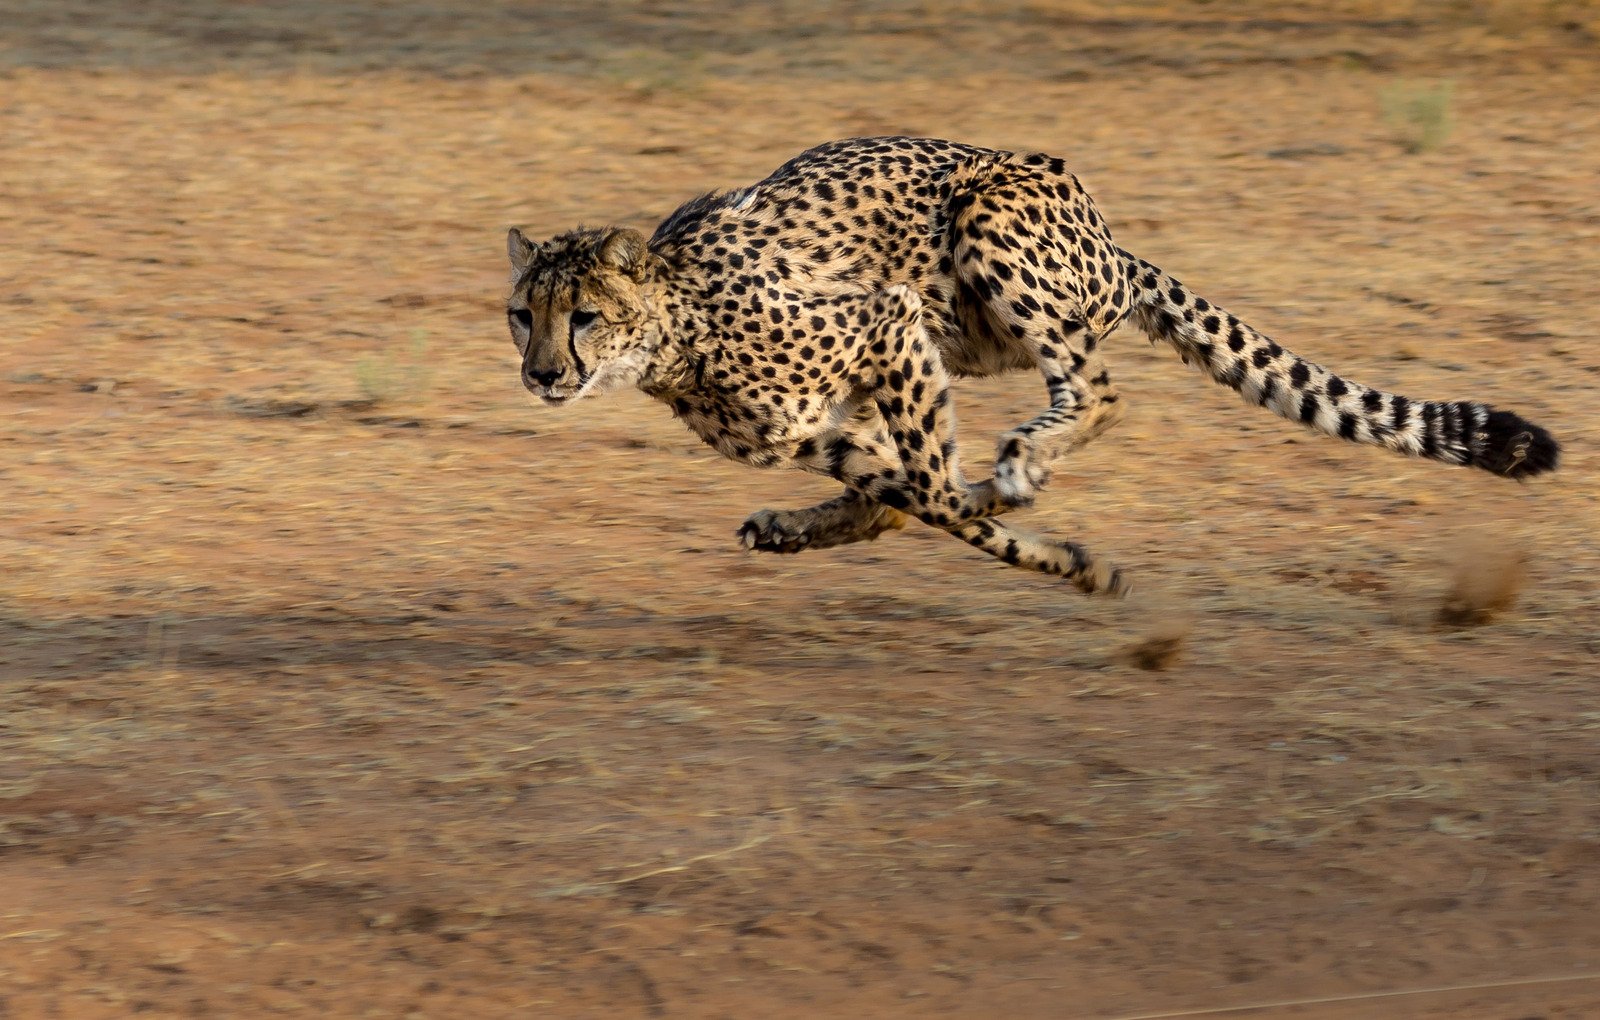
{"x": 577, "y": 311}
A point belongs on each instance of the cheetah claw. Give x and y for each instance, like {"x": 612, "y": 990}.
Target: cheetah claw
{"x": 762, "y": 532}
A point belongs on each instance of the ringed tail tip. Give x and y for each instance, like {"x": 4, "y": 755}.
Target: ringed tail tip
{"x": 1513, "y": 447}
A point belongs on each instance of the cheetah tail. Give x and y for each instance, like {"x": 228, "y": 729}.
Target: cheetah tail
{"x": 1267, "y": 375}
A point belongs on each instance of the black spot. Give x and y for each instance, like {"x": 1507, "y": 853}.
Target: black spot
{"x": 1232, "y": 376}
{"x": 1299, "y": 375}
{"x": 1165, "y": 324}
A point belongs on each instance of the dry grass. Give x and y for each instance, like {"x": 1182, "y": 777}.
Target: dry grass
{"x": 1420, "y": 114}
{"x": 375, "y": 690}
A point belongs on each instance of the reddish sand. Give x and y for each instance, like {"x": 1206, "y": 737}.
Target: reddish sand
{"x": 338, "y": 679}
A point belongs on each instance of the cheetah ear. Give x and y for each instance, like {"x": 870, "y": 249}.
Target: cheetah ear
{"x": 521, "y": 250}
{"x": 626, "y": 250}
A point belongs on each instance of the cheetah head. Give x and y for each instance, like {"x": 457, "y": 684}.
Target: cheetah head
{"x": 578, "y": 312}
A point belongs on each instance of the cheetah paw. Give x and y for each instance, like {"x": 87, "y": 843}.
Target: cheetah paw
{"x": 1017, "y": 476}
{"x": 773, "y": 531}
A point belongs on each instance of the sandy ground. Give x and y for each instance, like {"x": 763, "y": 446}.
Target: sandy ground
{"x": 339, "y": 680}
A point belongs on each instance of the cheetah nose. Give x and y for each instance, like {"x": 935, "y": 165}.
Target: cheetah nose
{"x": 544, "y": 379}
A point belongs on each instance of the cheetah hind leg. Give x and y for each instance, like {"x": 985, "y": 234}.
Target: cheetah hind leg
{"x": 1028, "y": 454}
{"x": 1067, "y": 560}
{"x": 851, "y": 517}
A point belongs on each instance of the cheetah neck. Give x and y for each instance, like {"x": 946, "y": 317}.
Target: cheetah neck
{"x": 673, "y": 336}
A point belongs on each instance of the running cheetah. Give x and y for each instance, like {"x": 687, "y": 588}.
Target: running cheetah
{"x": 817, "y": 318}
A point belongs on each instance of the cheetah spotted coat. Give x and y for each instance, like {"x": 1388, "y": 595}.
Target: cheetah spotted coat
{"x": 817, "y": 318}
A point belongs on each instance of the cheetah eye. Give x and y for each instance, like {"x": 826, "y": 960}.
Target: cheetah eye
{"x": 582, "y": 318}
{"x": 523, "y": 317}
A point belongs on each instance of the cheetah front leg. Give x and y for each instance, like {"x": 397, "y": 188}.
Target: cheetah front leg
{"x": 852, "y": 517}
{"x": 906, "y": 381}
{"x": 860, "y": 454}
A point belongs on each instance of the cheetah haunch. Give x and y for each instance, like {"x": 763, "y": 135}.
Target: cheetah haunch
{"x": 817, "y": 318}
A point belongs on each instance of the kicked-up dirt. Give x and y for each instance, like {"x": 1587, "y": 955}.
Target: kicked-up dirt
{"x": 338, "y": 679}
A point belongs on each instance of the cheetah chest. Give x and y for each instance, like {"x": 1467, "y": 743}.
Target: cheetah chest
{"x": 758, "y": 425}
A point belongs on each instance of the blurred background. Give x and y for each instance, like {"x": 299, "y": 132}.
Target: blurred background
{"x": 337, "y": 678}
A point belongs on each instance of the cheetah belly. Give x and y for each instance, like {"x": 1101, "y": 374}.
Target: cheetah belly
{"x": 759, "y": 435}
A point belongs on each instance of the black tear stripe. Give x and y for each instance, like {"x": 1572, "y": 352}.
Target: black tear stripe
{"x": 572, "y": 346}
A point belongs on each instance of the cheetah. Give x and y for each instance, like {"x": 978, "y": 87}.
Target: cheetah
{"x": 816, "y": 320}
